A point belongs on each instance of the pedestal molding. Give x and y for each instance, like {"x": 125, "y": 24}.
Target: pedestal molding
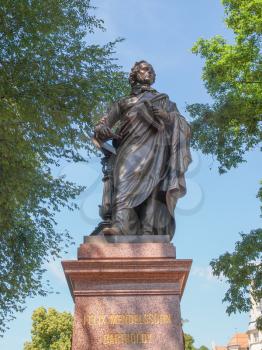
{"x": 115, "y": 283}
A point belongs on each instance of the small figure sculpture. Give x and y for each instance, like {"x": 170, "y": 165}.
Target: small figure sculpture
{"x": 152, "y": 155}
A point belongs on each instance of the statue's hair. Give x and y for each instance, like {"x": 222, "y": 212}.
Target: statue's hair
{"x": 135, "y": 69}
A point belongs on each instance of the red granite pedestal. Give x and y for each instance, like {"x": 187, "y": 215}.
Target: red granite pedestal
{"x": 127, "y": 296}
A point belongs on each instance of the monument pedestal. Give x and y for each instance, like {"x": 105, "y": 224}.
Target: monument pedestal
{"x": 127, "y": 296}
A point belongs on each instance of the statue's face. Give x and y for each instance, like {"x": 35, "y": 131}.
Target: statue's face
{"x": 145, "y": 74}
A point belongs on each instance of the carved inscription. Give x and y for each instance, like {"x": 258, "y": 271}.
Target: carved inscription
{"x": 127, "y": 319}
{"x": 100, "y": 320}
{"x": 127, "y": 338}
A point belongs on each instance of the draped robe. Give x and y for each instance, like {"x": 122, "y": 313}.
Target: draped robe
{"x": 152, "y": 156}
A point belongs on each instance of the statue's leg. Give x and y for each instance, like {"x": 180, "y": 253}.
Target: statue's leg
{"x": 154, "y": 215}
{"x": 146, "y": 212}
{"x": 126, "y": 220}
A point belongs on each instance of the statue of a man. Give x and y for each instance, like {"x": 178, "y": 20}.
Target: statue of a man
{"x": 152, "y": 156}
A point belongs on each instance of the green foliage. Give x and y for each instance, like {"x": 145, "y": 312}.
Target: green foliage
{"x": 189, "y": 342}
{"x": 51, "y": 330}
{"x": 259, "y": 196}
{"x": 230, "y": 127}
{"x": 203, "y": 347}
{"x": 243, "y": 272}
{"x": 232, "y": 76}
{"x": 53, "y": 83}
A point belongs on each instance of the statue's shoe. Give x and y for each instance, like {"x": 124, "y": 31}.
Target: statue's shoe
{"x": 111, "y": 231}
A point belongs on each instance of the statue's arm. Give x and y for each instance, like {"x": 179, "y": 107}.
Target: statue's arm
{"x": 113, "y": 115}
{"x": 103, "y": 130}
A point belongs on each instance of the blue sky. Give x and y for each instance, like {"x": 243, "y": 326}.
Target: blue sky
{"x": 216, "y": 207}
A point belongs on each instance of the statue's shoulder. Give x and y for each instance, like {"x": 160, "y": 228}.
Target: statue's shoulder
{"x": 158, "y": 94}
{"x": 161, "y": 100}
{"x": 120, "y": 100}
{"x": 123, "y": 99}
{"x": 127, "y": 102}
{"x": 173, "y": 107}
{"x": 119, "y": 105}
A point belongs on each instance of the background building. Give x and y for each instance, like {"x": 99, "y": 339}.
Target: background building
{"x": 254, "y": 335}
{"x": 239, "y": 341}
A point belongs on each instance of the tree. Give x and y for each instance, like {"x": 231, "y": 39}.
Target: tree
{"x": 53, "y": 83}
{"x": 230, "y": 127}
{"x": 51, "y": 330}
{"x": 243, "y": 270}
{"x": 189, "y": 342}
{"x": 232, "y": 76}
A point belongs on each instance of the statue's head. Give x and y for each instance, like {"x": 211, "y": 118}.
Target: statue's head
{"x": 142, "y": 73}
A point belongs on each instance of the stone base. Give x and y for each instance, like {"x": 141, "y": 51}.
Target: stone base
{"x": 127, "y": 239}
{"x": 127, "y": 296}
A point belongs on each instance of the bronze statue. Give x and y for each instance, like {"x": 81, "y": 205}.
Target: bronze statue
{"x": 152, "y": 154}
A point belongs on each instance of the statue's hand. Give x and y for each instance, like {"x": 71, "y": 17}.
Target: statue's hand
{"x": 160, "y": 113}
{"x": 103, "y": 132}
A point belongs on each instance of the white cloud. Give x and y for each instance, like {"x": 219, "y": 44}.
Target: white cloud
{"x": 204, "y": 272}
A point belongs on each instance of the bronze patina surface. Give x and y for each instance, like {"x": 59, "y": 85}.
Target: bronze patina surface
{"x": 144, "y": 177}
